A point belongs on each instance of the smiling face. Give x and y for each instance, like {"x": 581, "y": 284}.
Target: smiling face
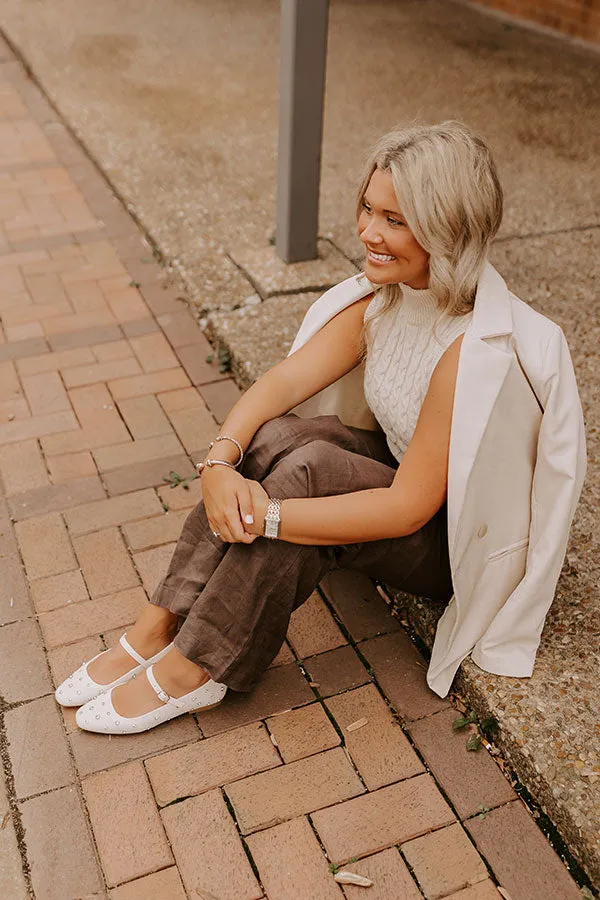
{"x": 393, "y": 254}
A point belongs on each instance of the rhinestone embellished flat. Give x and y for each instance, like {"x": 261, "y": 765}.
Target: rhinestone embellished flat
{"x": 79, "y": 688}
{"x": 100, "y": 715}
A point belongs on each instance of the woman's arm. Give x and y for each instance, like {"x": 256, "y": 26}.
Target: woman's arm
{"x": 415, "y": 495}
{"x": 328, "y": 355}
{"x": 332, "y": 352}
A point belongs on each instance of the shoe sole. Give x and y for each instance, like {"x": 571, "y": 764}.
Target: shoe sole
{"x": 190, "y": 712}
{"x": 203, "y": 708}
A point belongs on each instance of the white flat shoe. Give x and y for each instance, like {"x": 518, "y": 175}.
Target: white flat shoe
{"x": 79, "y": 688}
{"x": 100, "y": 715}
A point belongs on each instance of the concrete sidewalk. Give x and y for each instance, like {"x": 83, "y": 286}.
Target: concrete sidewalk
{"x": 106, "y": 388}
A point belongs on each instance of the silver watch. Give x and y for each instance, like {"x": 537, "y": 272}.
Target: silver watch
{"x": 272, "y": 518}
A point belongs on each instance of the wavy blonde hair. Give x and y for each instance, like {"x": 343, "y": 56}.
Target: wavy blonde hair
{"x": 447, "y": 187}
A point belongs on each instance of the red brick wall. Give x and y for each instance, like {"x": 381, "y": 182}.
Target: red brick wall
{"x": 577, "y": 18}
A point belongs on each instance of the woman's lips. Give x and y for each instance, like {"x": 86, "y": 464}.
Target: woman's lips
{"x": 380, "y": 259}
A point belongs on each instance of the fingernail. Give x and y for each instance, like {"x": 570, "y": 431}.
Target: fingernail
{"x": 249, "y": 519}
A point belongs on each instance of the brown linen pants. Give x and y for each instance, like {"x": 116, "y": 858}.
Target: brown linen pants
{"x": 236, "y": 599}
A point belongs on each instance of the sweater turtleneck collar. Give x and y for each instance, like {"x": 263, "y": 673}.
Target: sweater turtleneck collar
{"x": 419, "y": 306}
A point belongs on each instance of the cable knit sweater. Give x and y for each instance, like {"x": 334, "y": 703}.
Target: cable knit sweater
{"x": 401, "y": 360}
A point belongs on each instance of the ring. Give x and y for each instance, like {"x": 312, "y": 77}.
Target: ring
{"x": 217, "y": 533}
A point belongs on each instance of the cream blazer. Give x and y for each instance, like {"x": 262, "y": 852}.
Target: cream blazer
{"x": 515, "y": 472}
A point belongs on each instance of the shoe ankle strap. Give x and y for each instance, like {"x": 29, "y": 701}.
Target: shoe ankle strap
{"x": 162, "y": 695}
{"x": 129, "y": 649}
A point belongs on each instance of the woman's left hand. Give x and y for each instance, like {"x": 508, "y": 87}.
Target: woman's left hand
{"x": 260, "y": 499}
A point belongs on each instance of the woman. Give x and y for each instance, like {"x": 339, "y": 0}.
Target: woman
{"x": 499, "y": 439}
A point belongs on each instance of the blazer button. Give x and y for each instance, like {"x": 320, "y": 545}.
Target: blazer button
{"x": 482, "y": 531}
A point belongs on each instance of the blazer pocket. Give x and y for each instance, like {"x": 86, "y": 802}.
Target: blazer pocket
{"x": 505, "y": 551}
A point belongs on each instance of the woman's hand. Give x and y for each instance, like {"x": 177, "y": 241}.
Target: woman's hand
{"x": 260, "y": 500}
{"x": 229, "y": 502}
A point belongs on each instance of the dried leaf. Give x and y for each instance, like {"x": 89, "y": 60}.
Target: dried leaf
{"x": 354, "y": 726}
{"x": 4, "y": 821}
{"x": 273, "y": 740}
{"x": 504, "y": 893}
{"x": 352, "y": 878}
{"x": 315, "y": 684}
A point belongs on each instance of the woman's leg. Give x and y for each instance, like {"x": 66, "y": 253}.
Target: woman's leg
{"x": 237, "y": 624}
{"x": 418, "y": 563}
{"x": 198, "y": 552}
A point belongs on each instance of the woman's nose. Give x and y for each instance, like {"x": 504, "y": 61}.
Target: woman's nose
{"x": 370, "y": 234}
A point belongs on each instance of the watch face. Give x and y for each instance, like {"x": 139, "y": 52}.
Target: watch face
{"x": 270, "y": 528}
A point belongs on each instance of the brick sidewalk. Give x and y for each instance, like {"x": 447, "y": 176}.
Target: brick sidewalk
{"x": 104, "y": 389}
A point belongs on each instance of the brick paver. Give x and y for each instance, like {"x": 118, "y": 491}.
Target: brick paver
{"x": 22, "y": 651}
{"x": 471, "y": 780}
{"x": 58, "y": 590}
{"x": 211, "y": 763}
{"x": 279, "y": 689}
{"x": 165, "y": 885}
{"x": 71, "y": 623}
{"x": 382, "y": 818}
{"x": 59, "y": 846}
{"x": 484, "y": 890}
{"x": 37, "y": 748}
{"x": 390, "y": 876}
{"x": 45, "y": 546}
{"x": 92, "y": 754}
{"x": 444, "y": 861}
{"x": 303, "y": 732}
{"x": 520, "y": 855}
{"x": 294, "y": 789}
{"x": 208, "y": 849}
{"x": 12, "y": 881}
{"x": 379, "y": 748}
{"x": 338, "y": 670}
{"x": 312, "y": 628}
{"x": 400, "y": 670}
{"x": 105, "y": 388}
{"x": 291, "y": 863}
{"x": 129, "y": 845}
{"x": 105, "y": 563}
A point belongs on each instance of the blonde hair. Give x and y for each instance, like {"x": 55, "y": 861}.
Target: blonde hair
{"x": 447, "y": 187}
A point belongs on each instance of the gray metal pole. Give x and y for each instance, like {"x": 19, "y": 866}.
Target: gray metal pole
{"x": 303, "y": 50}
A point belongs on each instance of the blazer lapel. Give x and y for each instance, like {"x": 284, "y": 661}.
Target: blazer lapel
{"x": 482, "y": 369}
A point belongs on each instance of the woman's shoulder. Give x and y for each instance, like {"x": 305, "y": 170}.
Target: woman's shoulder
{"x": 531, "y": 322}
{"x": 372, "y": 305}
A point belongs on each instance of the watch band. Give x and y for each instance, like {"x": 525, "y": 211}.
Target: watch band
{"x": 272, "y": 518}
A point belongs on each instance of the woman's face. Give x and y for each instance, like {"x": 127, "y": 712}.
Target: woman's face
{"x": 393, "y": 254}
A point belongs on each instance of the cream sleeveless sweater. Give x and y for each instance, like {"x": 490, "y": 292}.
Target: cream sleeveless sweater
{"x": 400, "y": 363}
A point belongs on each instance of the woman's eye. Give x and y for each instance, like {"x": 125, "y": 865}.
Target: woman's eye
{"x": 394, "y": 221}
{"x": 366, "y": 206}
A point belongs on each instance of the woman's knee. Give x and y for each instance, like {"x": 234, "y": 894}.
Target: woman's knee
{"x": 267, "y": 431}
{"x": 306, "y": 468}
{"x": 267, "y": 437}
